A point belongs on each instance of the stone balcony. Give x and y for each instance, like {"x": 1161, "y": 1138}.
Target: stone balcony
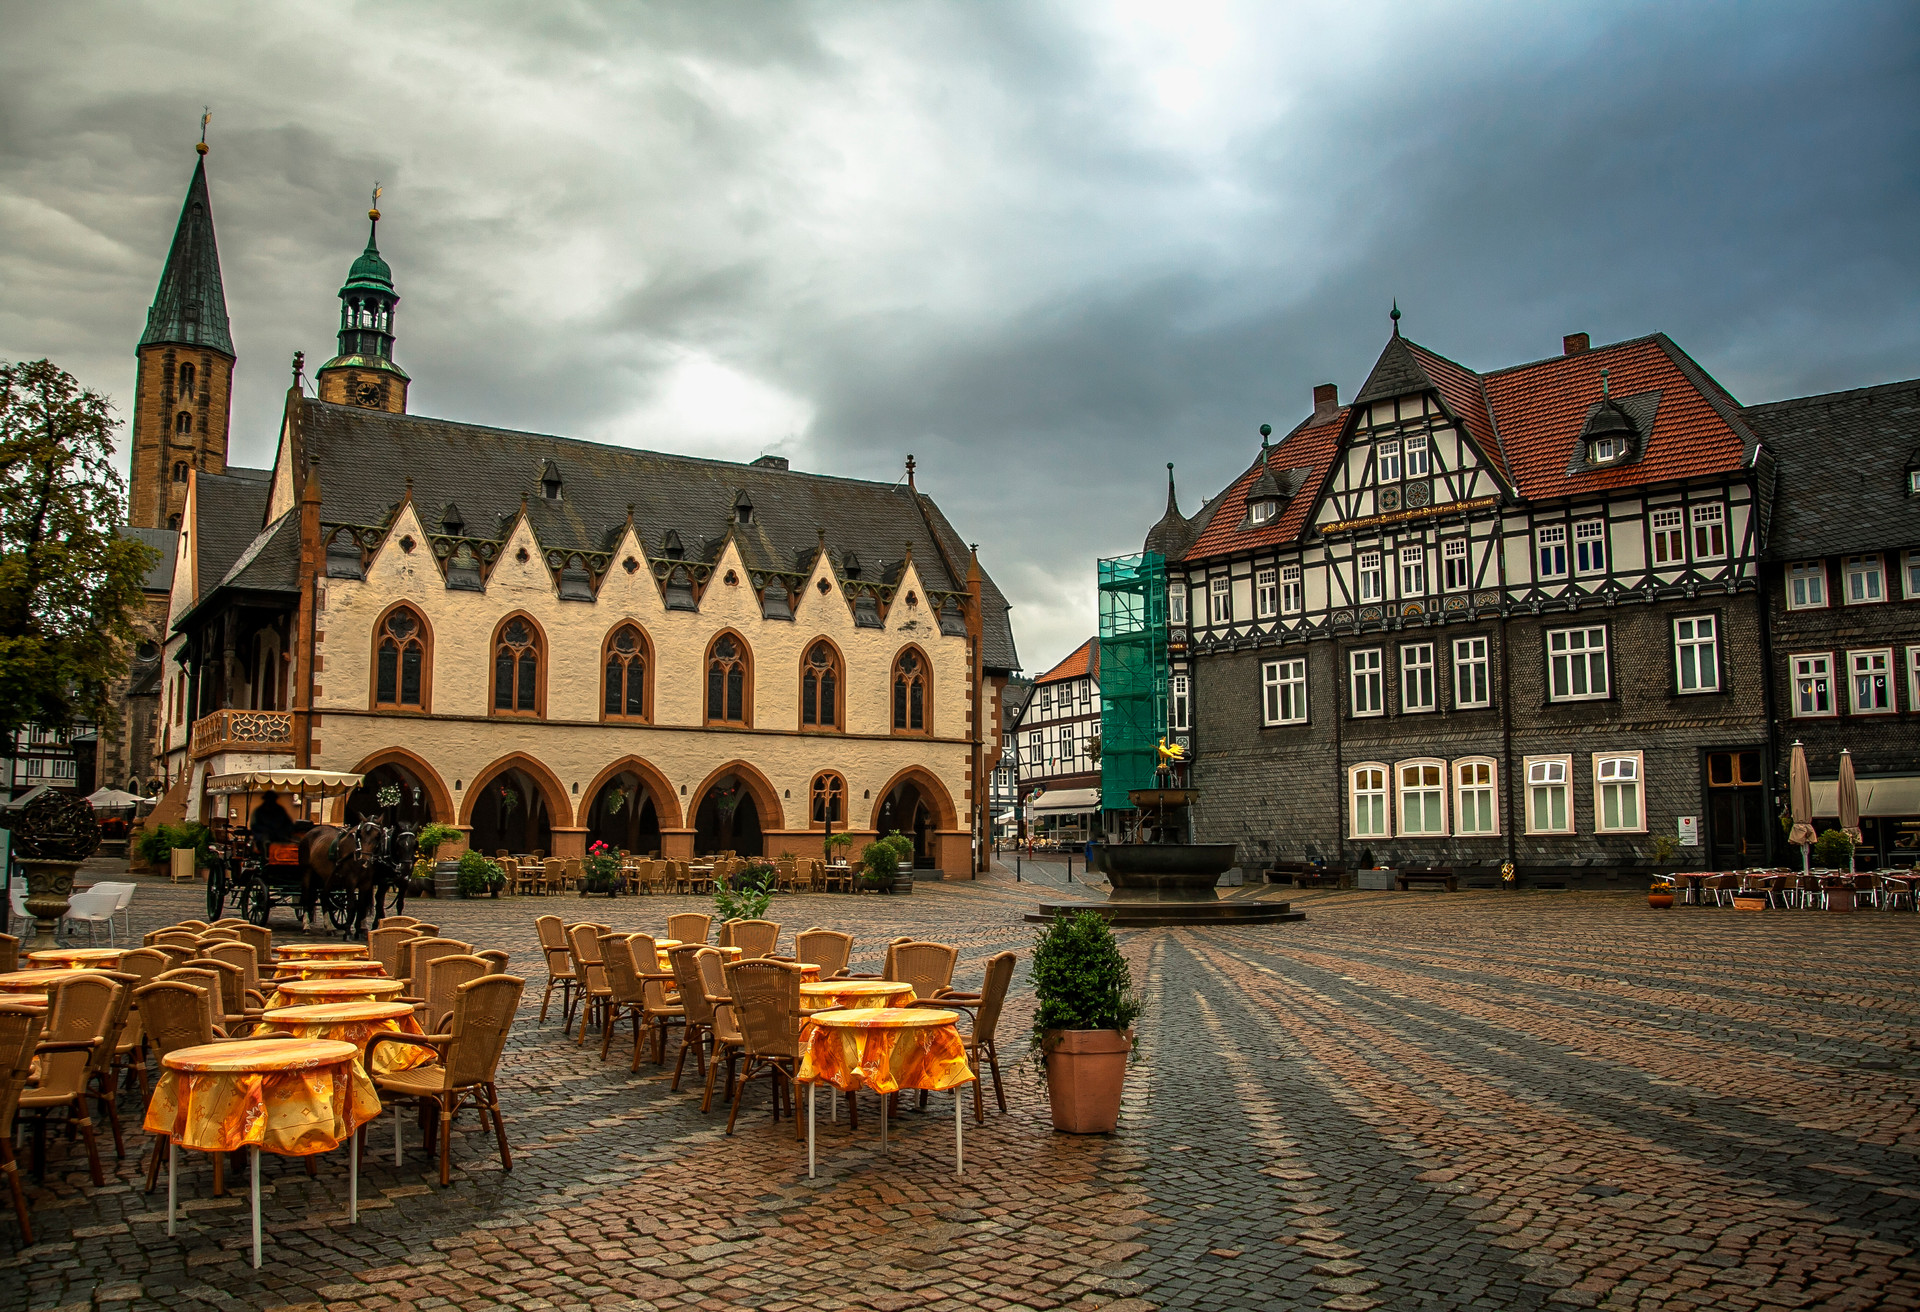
{"x": 242, "y": 731}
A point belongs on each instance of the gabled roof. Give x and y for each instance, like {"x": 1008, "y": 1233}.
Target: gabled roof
{"x": 166, "y": 541}
{"x": 190, "y": 307}
{"x": 1465, "y": 395}
{"x": 228, "y": 516}
{"x": 1083, "y": 661}
{"x": 366, "y": 458}
{"x": 1842, "y": 462}
{"x": 1303, "y": 456}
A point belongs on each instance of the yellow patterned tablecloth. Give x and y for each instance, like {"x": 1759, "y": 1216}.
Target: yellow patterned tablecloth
{"x": 77, "y": 958}
{"x": 355, "y": 1023}
{"x": 292, "y": 1097}
{"x": 292, "y": 970}
{"x": 323, "y": 951}
{"x": 854, "y": 994}
{"x": 306, "y": 992}
{"x": 35, "y": 981}
{"x": 883, "y": 1049}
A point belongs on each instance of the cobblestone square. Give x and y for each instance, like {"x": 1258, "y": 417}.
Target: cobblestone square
{"x": 1418, "y": 1101}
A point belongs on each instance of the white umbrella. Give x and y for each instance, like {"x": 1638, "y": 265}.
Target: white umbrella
{"x": 108, "y": 799}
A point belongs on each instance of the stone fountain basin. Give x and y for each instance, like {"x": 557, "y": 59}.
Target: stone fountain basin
{"x": 1165, "y": 872}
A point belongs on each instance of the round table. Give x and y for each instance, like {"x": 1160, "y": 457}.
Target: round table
{"x": 290, "y": 1097}
{"x": 320, "y": 951}
{"x": 854, "y": 994}
{"x": 292, "y": 970}
{"x": 37, "y": 981}
{"x": 885, "y": 1049}
{"x": 355, "y": 1023}
{"x": 300, "y": 992}
{"x": 77, "y": 958}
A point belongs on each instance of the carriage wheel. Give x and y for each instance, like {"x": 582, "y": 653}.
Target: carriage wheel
{"x": 261, "y": 910}
{"x": 340, "y": 908}
{"x": 216, "y": 894}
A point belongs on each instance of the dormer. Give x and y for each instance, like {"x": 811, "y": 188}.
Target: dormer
{"x": 850, "y": 565}
{"x": 671, "y": 548}
{"x": 1608, "y": 435}
{"x": 550, "y": 480}
{"x": 743, "y": 509}
{"x": 1913, "y": 473}
{"x": 1265, "y": 500}
{"x": 452, "y": 522}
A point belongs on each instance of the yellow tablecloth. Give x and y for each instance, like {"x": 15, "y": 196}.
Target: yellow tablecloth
{"x": 305, "y": 992}
{"x": 355, "y": 1023}
{"x": 34, "y": 981}
{"x": 324, "y": 951}
{"x": 292, "y": 970}
{"x": 77, "y": 958}
{"x": 884, "y": 1049}
{"x": 290, "y": 1097}
{"x": 854, "y": 994}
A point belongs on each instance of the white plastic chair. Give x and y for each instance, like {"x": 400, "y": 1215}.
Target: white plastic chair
{"x": 20, "y": 901}
{"x": 93, "y": 908}
{"x": 124, "y": 895}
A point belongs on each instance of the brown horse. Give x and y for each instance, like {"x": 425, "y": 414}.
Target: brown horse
{"x": 334, "y": 860}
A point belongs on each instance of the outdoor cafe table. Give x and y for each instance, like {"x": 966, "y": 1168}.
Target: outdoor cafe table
{"x": 292, "y": 970}
{"x": 854, "y": 994}
{"x": 77, "y": 958}
{"x": 885, "y": 1050}
{"x": 285, "y": 952}
{"x": 355, "y": 1023}
{"x": 35, "y": 981}
{"x": 290, "y": 1097}
{"x": 298, "y": 992}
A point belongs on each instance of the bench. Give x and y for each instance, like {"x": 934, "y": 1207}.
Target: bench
{"x": 1405, "y": 879}
{"x": 1304, "y": 874}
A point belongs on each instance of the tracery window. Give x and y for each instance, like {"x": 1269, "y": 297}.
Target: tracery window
{"x": 625, "y": 695}
{"x": 829, "y": 799}
{"x": 820, "y": 687}
{"x": 400, "y": 660}
{"x": 727, "y": 681}
{"x": 186, "y": 380}
{"x": 516, "y": 669}
{"x": 910, "y": 708}
{"x": 183, "y": 423}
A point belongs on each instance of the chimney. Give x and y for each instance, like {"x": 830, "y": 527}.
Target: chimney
{"x": 1326, "y": 400}
{"x": 1574, "y": 343}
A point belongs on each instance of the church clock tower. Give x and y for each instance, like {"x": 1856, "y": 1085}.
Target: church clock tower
{"x": 364, "y": 372}
{"x": 183, "y": 393}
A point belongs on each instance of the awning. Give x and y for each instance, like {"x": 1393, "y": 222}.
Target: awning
{"x": 1065, "y": 801}
{"x": 1898, "y": 795}
{"x": 301, "y": 783}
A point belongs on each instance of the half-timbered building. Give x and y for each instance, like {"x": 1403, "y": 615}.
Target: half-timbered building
{"x": 1472, "y": 619}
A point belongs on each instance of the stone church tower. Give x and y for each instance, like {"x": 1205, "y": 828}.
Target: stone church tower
{"x": 364, "y": 372}
{"x": 183, "y": 393}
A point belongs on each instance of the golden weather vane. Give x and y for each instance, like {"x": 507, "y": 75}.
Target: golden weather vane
{"x": 206, "y": 113}
{"x": 373, "y": 209}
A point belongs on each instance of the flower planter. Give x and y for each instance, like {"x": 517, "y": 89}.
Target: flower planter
{"x": 1086, "y": 1071}
{"x": 1660, "y": 901}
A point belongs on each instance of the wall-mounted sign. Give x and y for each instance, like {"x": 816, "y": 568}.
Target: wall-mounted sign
{"x": 1408, "y": 516}
{"x": 1689, "y": 831}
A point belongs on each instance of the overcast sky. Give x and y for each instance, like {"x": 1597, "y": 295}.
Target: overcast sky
{"x": 1046, "y": 248}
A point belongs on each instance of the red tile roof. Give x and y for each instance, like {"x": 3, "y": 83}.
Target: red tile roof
{"x": 1465, "y": 394}
{"x": 1308, "y": 450}
{"x": 1084, "y": 660}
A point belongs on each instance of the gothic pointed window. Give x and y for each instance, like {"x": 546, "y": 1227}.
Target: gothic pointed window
{"x": 516, "y": 669}
{"x": 829, "y": 800}
{"x": 401, "y": 666}
{"x": 625, "y": 694}
{"x": 911, "y": 708}
{"x": 183, "y": 424}
{"x": 820, "y": 687}
{"x": 186, "y": 380}
{"x": 728, "y": 685}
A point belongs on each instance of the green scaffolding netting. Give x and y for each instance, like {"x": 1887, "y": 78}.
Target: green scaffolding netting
{"x": 1133, "y": 673}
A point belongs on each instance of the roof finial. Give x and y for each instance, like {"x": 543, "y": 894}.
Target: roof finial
{"x": 373, "y": 206}
{"x": 1266, "y": 431}
{"x": 206, "y": 113}
{"x": 1603, "y": 384}
{"x": 299, "y": 368}
{"x": 909, "y": 469}
{"x": 629, "y": 514}
{"x": 1395, "y": 316}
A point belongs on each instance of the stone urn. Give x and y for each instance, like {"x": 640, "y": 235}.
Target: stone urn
{"x": 49, "y": 884}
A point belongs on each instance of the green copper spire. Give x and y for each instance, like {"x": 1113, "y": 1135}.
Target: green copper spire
{"x": 367, "y": 301}
{"x": 190, "y": 306}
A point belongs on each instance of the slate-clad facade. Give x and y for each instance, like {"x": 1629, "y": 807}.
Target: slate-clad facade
{"x": 1477, "y": 619}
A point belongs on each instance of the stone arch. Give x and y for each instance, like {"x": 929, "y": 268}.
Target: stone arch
{"x": 932, "y": 791}
{"x": 665, "y": 803}
{"x": 555, "y": 795}
{"x": 439, "y": 799}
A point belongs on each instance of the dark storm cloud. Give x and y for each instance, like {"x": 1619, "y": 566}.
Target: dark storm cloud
{"x": 1045, "y": 248}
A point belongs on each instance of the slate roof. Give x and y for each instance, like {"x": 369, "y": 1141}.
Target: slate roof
{"x": 366, "y": 456}
{"x": 1013, "y": 702}
{"x": 1842, "y": 461}
{"x": 228, "y": 510}
{"x": 1082, "y": 661}
{"x": 166, "y": 541}
{"x": 190, "y": 307}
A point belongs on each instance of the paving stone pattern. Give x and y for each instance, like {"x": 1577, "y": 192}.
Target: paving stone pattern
{"x": 1421, "y": 1101}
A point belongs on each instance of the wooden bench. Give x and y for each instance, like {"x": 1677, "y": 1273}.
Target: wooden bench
{"x": 1304, "y": 874}
{"x": 1405, "y": 879}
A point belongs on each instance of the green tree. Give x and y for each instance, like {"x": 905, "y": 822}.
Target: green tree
{"x": 69, "y": 583}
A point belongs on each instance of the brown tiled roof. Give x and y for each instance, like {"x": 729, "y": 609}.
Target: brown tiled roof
{"x": 1305, "y": 454}
{"x": 1466, "y": 396}
{"x": 1084, "y": 660}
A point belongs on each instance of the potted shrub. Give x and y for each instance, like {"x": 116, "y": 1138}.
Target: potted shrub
{"x": 746, "y": 896}
{"x": 479, "y": 874}
{"x": 1660, "y": 895}
{"x": 600, "y": 872}
{"x": 434, "y": 837}
{"x": 836, "y": 846}
{"x": 1083, "y": 1026}
{"x": 880, "y": 863}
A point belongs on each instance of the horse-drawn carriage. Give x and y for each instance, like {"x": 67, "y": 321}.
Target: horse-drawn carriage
{"x": 344, "y": 873}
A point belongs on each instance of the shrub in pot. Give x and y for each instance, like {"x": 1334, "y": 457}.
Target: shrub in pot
{"x": 433, "y": 837}
{"x": 746, "y": 896}
{"x": 600, "y": 871}
{"x": 479, "y": 874}
{"x": 1083, "y": 1026}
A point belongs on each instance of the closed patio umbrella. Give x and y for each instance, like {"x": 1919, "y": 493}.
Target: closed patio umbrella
{"x": 1800, "y": 804}
{"x": 1849, "y": 803}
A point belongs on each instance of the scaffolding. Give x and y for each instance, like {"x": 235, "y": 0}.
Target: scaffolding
{"x": 1133, "y": 673}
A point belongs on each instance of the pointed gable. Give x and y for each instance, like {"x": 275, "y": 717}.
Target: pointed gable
{"x": 1464, "y": 394}
{"x": 1397, "y": 372}
{"x": 190, "y": 306}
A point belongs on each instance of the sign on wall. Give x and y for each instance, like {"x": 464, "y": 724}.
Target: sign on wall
{"x": 1689, "y": 831}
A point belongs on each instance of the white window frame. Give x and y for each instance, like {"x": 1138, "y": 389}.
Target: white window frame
{"x": 1913, "y": 676}
{"x": 1590, "y": 547}
{"x": 1807, "y": 585}
{"x": 1418, "y": 463}
{"x": 1470, "y": 654}
{"x": 1283, "y": 691}
{"x": 1532, "y": 769}
{"x": 1864, "y": 580}
{"x": 1413, "y": 571}
{"x": 1177, "y": 604}
{"x": 1860, "y": 668}
{"x": 1709, "y": 520}
{"x": 1618, "y": 776}
{"x": 1696, "y": 653}
{"x": 1550, "y": 551}
{"x": 1454, "y": 552}
{"x": 1366, "y": 683}
{"x": 1266, "y": 593}
{"x": 1177, "y": 705}
{"x": 1220, "y": 600}
{"x": 1263, "y": 511}
{"x": 1910, "y": 576}
{"x": 1668, "y": 529}
{"x": 1036, "y": 747}
{"x": 1467, "y": 780}
{"x": 1369, "y": 571}
{"x": 1069, "y": 747}
{"x": 1046, "y": 696}
{"x": 1812, "y": 682}
{"x": 1429, "y": 789}
{"x": 1579, "y": 661}
{"x": 1293, "y": 598}
{"x": 1418, "y": 693}
{"x": 1386, "y": 468}
{"x": 1378, "y": 776}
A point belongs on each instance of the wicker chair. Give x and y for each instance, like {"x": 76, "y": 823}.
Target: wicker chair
{"x": 445, "y": 975}
{"x": 261, "y": 938}
{"x": 828, "y": 949}
{"x": 552, "y": 875}
{"x": 886, "y": 968}
{"x": 242, "y": 957}
{"x": 397, "y": 922}
{"x": 469, "y": 1060}
{"x": 690, "y": 927}
{"x": 416, "y": 954}
{"x": 79, "y": 1022}
{"x": 496, "y": 958}
{"x": 560, "y": 972}
{"x": 9, "y": 961}
{"x": 583, "y": 941}
{"x": 696, "y": 1008}
{"x": 236, "y": 1008}
{"x": 626, "y": 991}
{"x": 765, "y": 1001}
{"x": 986, "y": 1006}
{"x": 20, "y": 1029}
{"x": 663, "y": 1009}
{"x": 727, "y": 1040}
{"x": 141, "y": 965}
{"x": 206, "y": 986}
{"x": 384, "y": 946}
{"x": 754, "y": 938}
{"x": 926, "y": 966}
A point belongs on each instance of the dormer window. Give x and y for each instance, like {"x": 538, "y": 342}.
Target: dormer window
{"x": 452, "y": 522}
{"x": 1263, "y": 512}
{"x": 743, "y": 509}
{"x": 671, "y": 546}
{"x": 1608, "y": 435}
{"x": 1913, "y": 482}
{"x": 550, "y": 481}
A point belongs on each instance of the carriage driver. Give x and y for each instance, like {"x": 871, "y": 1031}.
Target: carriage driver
{"x": 270, "y": 824}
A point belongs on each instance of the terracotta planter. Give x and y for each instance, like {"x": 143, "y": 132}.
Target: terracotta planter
{"x": 1660, "y": 901}
{"x": 1086, "y": 1070}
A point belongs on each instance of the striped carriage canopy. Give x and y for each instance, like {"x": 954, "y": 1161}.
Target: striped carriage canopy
{"x": 299, "y": 783}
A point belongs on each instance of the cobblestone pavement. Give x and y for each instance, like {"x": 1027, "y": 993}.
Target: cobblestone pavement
{"x": 1470, "y": 1100}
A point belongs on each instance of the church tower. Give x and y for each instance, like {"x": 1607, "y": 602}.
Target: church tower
{"x": 364, "y": 372}
{"x": 183, "y": 393}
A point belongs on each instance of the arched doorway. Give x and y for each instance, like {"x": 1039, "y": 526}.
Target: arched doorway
{"x": 510, "y": 811}
{"x": 907, "y": 810}
{"x": 623, "y": 815}
{"x": 415, "y": 808}
{"x": 728, "y": 819}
